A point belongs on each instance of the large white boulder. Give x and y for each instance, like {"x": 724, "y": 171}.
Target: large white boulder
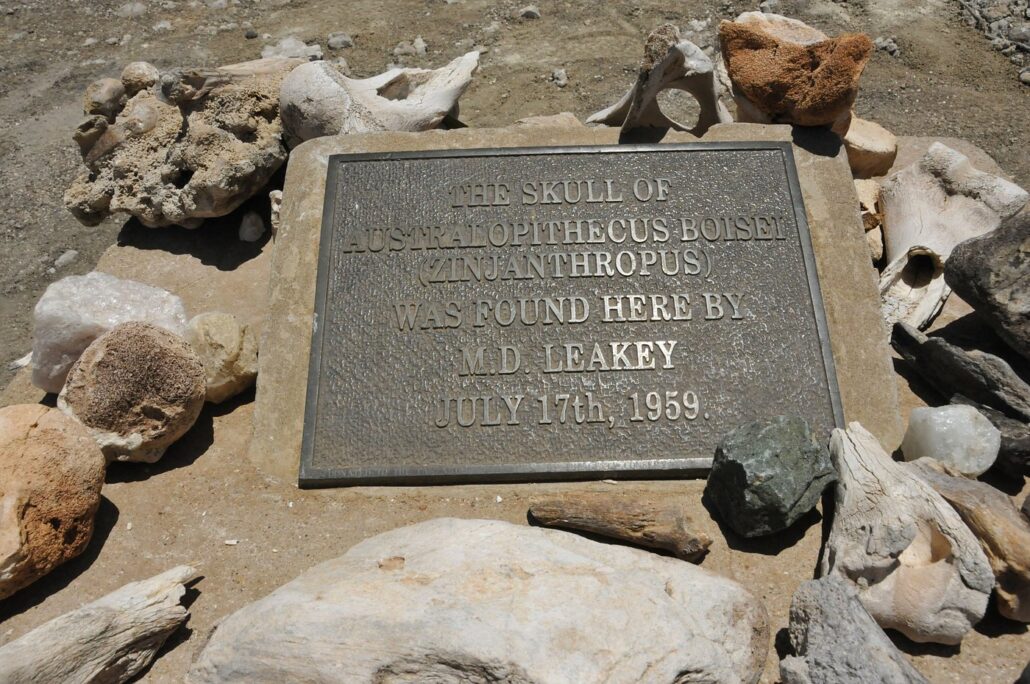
{"x": 450, "y": 601}
{"x": 76, "y": 310}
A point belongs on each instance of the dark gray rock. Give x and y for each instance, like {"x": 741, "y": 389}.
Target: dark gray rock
{"x": 836, "y": 641}
{"x": 767, "y": 474}
{"x": 1025, "y": 677}
{"x": 1014, "y": 454}
{"x": 983, "y": 377}
{"x": 992, "y": 273}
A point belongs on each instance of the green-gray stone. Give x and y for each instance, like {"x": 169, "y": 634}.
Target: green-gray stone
{"x": 767, "y": 474}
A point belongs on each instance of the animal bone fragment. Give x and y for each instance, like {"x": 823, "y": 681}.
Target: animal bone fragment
{"x": 317, "y": 100}
{"x": 928, "y": 209}
{"x": 109, "y": 640}
{"x": 661, "y": 526}
{"x": 669, "y": 62}
{"x": 917, "y": 567}
{"x": 983, "y": 377}
{"x": 1004, "y": 534}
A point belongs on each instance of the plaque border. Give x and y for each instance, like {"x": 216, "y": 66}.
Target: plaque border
{"x": 310, "y": 477}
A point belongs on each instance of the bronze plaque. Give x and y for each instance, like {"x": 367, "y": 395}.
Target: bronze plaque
{"x": 559, "y": 313}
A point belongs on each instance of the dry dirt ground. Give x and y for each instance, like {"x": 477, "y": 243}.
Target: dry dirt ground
{"x": 946, "y": 81}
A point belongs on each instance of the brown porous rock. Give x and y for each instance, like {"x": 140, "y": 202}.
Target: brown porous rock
{"x": 137, "y": 388}
{"x": 51, "y": 473}
{"x": 784, "y": 71}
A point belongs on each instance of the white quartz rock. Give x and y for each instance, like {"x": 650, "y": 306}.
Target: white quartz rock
{"x": 959, "y": 436}
{"x": 76, "y": 310}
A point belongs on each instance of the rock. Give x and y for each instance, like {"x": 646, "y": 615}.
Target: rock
{"x": 404, "y": 49}
{"x": 1003, "y": 533}
{"x": 868, "y": 191}
{"x": 992, "y": 274}
{"x": 888, "y": 45}
{"x": 316, "y": 100}
{"x": 785, "y": 71}
{"x": 109, "y": 640}
{"x": 664, "y": 526}
{"x": 528, "y": 12}
{"x": 1025, "y": 508}
{"x": 340, "y": 40}
{"x": 252, "y": 227}
{"x": 670, "y": 62}
{"x": 131, "y": 10}
{"x": 929, "y": 208}
{"x": 959, "y": 436}
{"x": 836, "y": 641}
{"x": 137, "y": 76}
{"x": 76, "y": 310}
{"x": 560, "y": 78}
{"x": 67, "y": 258}
{"x": 482, "y": 600}
{"x": 250, "y": 34}
{"x": 105, "y": 98}
{"x": 871, "y": 148}
{"x": 767, "y": 474}
{"x": 275, "y": 198}
{"x": 292, "y": 48}
{"x": 916, "y": 566}
{"x": 228, "y": 352}
{"x": 1024, "y": 78}
{"x": 1014, "y": 454}
{"x": 420, "y": 46}
{"x": 197, "y": 149}
{"x": 137, "y": 388}
{"x": 51, "y": 472}
{"x": 983, "y": 377}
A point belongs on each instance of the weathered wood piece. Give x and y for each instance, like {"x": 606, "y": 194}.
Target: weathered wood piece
{"x": 107, "y": 641}
{"x": 1004, "y": 534}
{"x": 917, "y": 567}
{"x": 982, "y": 377}
{"x": 637, "y": 521}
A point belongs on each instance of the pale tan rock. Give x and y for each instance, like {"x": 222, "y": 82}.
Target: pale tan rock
{"x": 784, "y": 71}
{"x": 137, "y": 388}
{"x": 871, "y": 148}
{"x": 1003, "y": 533}
{"x": 107, "y": 641}
{"x": 137, "y": 76}
{"x": 208, "y": 141}
{"x": 857, "y": 333}
{"x": 104, "y": 97}
{"x": 874, "y": 241}
{"x": 868, "y": 191}
{"x": 228, "y": 351}
{"x": 916, "y": 566}
{"x": 51, "y": 472}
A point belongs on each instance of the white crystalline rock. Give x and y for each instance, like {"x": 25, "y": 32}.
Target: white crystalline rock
{"x": 959, "y": 436}
{"x": 76, "y": 310}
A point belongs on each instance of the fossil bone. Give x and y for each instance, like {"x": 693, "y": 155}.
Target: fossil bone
{"x": 669, "y": 62}
{"x": 662, "y": 525}
{"x": 928, "y": 209}
{"x": 1003, "y": 533}
{"x": 917, "y": 567}
{"x": 317, "y": 100}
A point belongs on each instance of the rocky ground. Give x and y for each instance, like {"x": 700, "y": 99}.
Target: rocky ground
{"x": 945, "y": 79}
{"x": 248, "y": 533}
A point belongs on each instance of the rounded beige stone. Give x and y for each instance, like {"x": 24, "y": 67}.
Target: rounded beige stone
{"x": 228, "y": 351}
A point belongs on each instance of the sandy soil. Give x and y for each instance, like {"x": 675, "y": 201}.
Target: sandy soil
{"x": 947, "y": 81}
